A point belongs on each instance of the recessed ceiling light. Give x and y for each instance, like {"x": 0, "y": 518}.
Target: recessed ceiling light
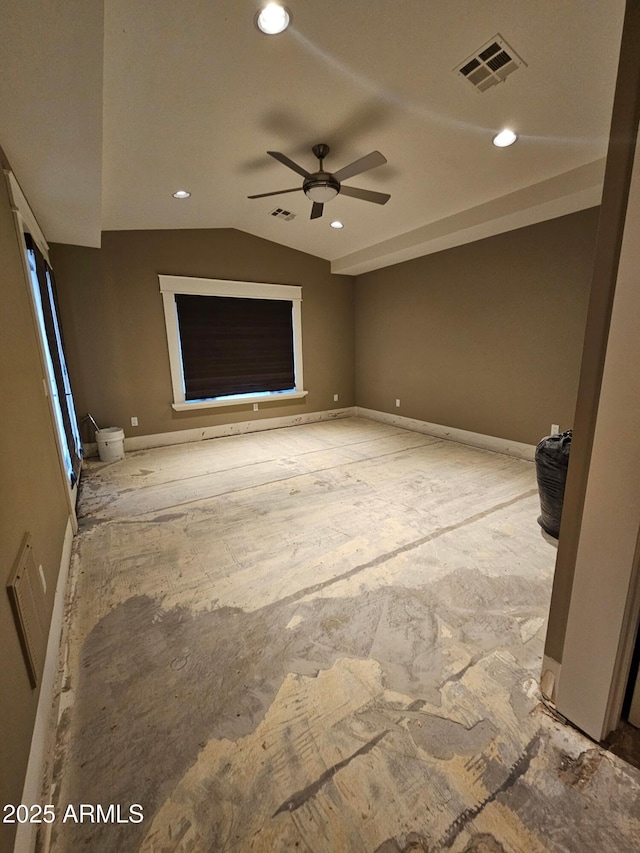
{"x": 337, "y": 224}
{"x": 504, "y": 138}
{"x": 273, "y": 19}
{"x": 181, "y": 194}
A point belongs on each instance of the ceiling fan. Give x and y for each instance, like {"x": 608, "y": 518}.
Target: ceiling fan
{"x": 323, "y": 186}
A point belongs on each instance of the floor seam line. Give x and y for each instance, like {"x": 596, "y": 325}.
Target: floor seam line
{"x": 410, "y": 546}
{"x": 262, "y": 485}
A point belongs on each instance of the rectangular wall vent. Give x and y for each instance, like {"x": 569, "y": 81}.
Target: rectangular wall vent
{"x": 27, "y": 599}
{"x": 490, "y": 65}
{"x": 279, "y": 213}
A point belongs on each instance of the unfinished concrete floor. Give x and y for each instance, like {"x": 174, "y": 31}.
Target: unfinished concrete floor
{"x": 325, "y": 638}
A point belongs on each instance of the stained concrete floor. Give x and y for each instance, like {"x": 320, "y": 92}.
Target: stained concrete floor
{"x": 325, "y": 638}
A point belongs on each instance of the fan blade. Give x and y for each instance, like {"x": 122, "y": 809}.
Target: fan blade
{"x": 362, "y": 165}
{"x": 277, "y": 192}
{"x": 316, "y": 210}
{"x": 365, "y": 195}
{"x": 286, "y": 161}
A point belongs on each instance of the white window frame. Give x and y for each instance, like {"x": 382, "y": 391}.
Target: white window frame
{"x": 172, "y": 284}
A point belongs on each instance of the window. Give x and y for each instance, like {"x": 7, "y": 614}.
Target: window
{"x": 232, "y": 342}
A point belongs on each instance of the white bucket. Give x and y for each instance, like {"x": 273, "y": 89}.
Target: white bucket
{"x": 110, "y": 444}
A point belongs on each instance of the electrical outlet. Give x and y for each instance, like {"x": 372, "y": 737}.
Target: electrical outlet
{"x": 255, "y": 407}
{"x": 335, "y": 398}
{"x": 397, "y": 404}
{"x": 134, "y": 421}
{"x": 555, "y": 429}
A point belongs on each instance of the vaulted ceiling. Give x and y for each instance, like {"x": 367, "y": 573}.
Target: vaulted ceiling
{"x": 107, "y": 109}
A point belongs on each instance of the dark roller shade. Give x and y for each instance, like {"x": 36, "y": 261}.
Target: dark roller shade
{"x": 235, "y": 346}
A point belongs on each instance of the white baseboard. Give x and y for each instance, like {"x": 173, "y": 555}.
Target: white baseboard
{"x": 184, "y": 436}
{"x": 462, "y": 436}
{"x": 32, "y": 791}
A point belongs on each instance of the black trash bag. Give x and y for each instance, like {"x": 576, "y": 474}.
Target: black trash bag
{"x": 552, "y": 459}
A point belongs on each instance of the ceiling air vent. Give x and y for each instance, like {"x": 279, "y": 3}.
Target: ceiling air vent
{"x": 490, "y": 65}
{"x": 279, "y": 213}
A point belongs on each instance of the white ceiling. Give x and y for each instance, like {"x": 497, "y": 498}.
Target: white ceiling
{"x": 103, "y": 118}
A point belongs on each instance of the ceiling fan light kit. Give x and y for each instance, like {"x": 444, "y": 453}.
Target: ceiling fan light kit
{"x": 321, "y": 187}
{"x": 321, "y": 190}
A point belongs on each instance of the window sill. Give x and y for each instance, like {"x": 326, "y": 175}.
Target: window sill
{"x": 248, "y": 400}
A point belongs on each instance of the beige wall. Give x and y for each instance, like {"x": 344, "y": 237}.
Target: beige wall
{"x": 115, "y": 335}
{"x": 33, "y": 499}
{"x": 485, "y": 337}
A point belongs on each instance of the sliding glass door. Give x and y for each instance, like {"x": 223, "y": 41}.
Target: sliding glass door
{"x": 59, "y": 387}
